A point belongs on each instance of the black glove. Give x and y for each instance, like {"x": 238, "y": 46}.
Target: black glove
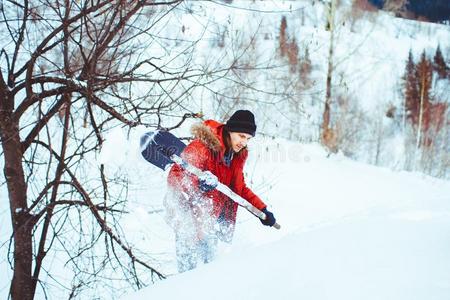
{"x": 270, "y": 219}
{"x": 207, "y": 181}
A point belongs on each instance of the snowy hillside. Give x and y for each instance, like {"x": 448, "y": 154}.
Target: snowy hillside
{"x": 388, "y": 258}
{"x": 287, "y": 91}
{"x": 361, "y": 221}
{"x": 349, "y": 231}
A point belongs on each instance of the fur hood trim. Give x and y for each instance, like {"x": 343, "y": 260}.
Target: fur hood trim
{"x": 206, "y": 135}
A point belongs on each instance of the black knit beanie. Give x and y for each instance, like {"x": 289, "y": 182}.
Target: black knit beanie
{"x": 242, "y": 121}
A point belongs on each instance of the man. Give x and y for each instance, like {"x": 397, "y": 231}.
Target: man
{"x": 199, "y": 214}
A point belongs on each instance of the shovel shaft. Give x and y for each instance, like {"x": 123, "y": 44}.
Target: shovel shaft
{"x": 242, "y": 202}
{"x": 223, "y": 189}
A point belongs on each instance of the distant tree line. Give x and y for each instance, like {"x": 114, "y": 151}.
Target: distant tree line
{"x": 432, "y": 10}
{"x": 425, "y": 111}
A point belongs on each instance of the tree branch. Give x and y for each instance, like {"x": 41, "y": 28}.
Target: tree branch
{"x": 18, "y": 44}
{"x": 97, "y": 216}
{"x": 49, "y": 211}
{"x": 112, "y": 111}
{"x": 40, "y": 124}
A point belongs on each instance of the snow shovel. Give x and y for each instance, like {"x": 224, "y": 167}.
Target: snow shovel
{"x": 162, "y": 149}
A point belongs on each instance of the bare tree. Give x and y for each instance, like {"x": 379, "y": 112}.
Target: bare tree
{"x": 71, "y": 70}
{"x": 328, "y": 136}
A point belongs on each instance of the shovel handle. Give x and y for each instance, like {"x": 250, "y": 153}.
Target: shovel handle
{"x": 277, "y": 226}
{"x": 223, "y": 189}
{"x": 263, "y": 216}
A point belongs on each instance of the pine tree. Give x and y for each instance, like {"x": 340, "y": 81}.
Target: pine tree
{"x": 305, "y": 69}
{"x": 439, "y": 65}
{"x": 411, "y": 90}
{"x": 292, "y": 53}
{"x": 283, "y": 37}
{"x": 424, "y": 73}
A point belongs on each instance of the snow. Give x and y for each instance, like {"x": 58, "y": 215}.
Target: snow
{"x": 377, "y": 258}
{"x": 369, "y": 61}
{"x": 349, "y": 231}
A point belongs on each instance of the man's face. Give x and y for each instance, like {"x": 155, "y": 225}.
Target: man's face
{"x": 239, "y": 140}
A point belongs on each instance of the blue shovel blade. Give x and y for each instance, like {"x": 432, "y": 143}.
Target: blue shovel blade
{"x": 157, "y": 147}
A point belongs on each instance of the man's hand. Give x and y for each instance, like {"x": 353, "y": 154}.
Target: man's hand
{"x": 270, "y": 219}
{"x": 207, "y": 181}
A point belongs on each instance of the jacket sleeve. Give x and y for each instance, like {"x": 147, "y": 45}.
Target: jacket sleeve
{"x": 195, "y": 154}
{"x": 240, "y": 187}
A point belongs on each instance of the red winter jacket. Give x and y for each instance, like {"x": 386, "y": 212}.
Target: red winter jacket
{"x": 206, "y": 152}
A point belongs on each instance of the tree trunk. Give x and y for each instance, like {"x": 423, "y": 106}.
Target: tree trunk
{"x": 326, "y": 111}
{"x": 419, "y": 127}
{"x": 17, "y": 190}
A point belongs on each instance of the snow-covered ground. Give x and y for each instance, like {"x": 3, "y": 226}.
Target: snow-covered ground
{"x": 349, "y": 231}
